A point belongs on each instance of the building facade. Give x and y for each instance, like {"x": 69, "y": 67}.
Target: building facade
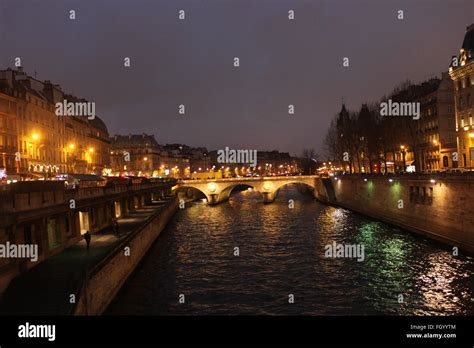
{"x": 429, "y": 139}
{"x": 462, "y": 74}
{"x": 141, "y": 155}
{"x": 34, "y": 141}
{"x": 176, "y": 160}
{"x": 135, "y": 154}
{"x": 436, "y": 127}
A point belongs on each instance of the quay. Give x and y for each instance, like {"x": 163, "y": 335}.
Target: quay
{"x": 40, "y": 213}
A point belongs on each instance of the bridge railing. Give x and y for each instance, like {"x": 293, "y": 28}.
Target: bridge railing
{"x": 253, "y": 178}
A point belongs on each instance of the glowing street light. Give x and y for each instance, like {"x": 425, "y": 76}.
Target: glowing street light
{"x": 71, "y": 146}
{"x": 402, "y": 147}
{"x": 35, "y": 136}
{"x": 212, "y": 187}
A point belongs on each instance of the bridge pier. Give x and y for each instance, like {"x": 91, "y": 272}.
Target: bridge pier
{"x": 213, "y": 199}
{"x": 268, "y": 197}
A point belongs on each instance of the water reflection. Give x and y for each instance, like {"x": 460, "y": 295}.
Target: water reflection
{"x": 281, "y": 252}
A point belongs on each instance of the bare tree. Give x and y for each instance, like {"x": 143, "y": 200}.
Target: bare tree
{"x": 310, "y": 160}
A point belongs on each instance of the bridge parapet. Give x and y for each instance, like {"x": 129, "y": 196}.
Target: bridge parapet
{"x": 253, "y": 178}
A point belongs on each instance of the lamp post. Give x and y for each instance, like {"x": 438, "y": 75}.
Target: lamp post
{"x": 403, "y": 149}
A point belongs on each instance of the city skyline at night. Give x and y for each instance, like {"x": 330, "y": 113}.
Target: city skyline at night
{"x": 177, "y": 62}
{"x": 250, "y": 171}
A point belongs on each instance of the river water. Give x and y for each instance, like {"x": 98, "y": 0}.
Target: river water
{"x": 281, "y": 259}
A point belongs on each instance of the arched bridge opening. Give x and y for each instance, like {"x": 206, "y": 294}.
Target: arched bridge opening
{"x": 219, "y": 190}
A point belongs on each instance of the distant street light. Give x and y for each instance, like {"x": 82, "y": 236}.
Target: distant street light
{"x": 402, "y": 147}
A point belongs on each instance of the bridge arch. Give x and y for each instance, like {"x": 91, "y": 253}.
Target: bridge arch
{"x": 218, "y": 190}
{"x": 226, "y": 192}
{"x": 196, "y": 189}
{"x": 277, "y": 189}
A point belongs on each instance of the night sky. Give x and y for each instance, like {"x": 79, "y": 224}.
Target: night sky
{"x": 190, "y": 62}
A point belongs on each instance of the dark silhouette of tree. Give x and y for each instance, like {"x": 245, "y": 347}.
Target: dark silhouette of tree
{"x": 310, "y": 159}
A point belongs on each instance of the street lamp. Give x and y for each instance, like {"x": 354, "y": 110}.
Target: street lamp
{"x": 402, "y": 147}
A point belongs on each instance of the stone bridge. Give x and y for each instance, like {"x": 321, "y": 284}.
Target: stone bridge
{"x": 218, "y": 190}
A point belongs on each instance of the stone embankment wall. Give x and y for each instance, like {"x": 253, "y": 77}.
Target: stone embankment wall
{"x": 440, "y": 207}
{"x": 101, "y": 284}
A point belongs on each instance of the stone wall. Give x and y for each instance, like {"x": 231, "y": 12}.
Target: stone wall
{"x": 103, "y": 283}
{"x": 440, "y": 206}
{"x": 26, "y": 208}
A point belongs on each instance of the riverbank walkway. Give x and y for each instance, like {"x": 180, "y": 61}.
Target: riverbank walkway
{"x": 46, "y": 289}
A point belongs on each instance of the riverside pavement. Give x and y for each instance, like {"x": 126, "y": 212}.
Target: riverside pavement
{"x": 46, "y": 288}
